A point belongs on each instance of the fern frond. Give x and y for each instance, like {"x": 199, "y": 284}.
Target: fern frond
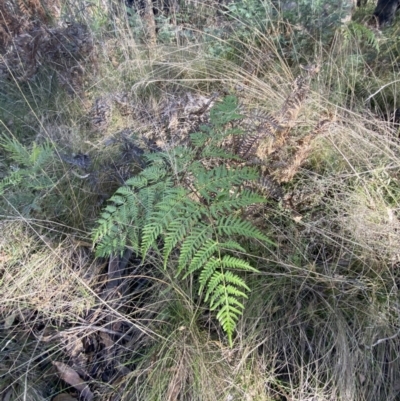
{"x": 227, "y": 262}
{"x": 230, "y": 262}
{"x": 361, "y": 33}
{"x": 232, "y": 245}
{"x": 214, "y": 152}
{"x": 116, "y": 222}
{"x": 152, "y": 174}
{"x": 177, "y": 230}
{"x": 174, "y": 202}
{"x": 248, "y": 145}
{"x": 207, "y": 272}
{"x": 223, "y": 292}
{"x": 180, "y": 203}
{"x": 270, "y": 187}
{"x": 178, "y": 159}
{"x": 225, "y": 111}
{"x": 150, "y": 196}
{"x": 221, "y": 178}
{"x": 232, "y": 202}
{"x": 224, "y": 277}
{"x": 199, "y": 235}
{"x": 228, "y": 316}
{"x": 199, "y": 139}
{"x": 231, "y": 225}
{"x": 23, "y": 156}
{"x": 201, "y": 256}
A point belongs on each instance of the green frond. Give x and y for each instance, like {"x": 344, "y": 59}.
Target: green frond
{"x": 115, "y": 226}
{"x": 230, "y": 262}
{"x": 227, "y": 262}
{"x": 228, "y": 316}
{"x": 360, "y": 32}
{"x": 135, "y": 182}
{"x": 214, "y": 152}
{"x": 207, "y": 272}
{"x": 16, "y": 150}
{"x": 199, "y": 139}
{"x": 225, "y": 294}
{"x": 225, "y": 111}
{"x": 121, "y": 220}
{"x": 199, "y": 235}
{"x": 178, "y": 159}
{"x": 153, "y": 174}
{"x": 177, "y": 230}
{"x": 220, "y": 280}
{"x": 150, "y": 196}
{"x": 202, "y": 255}
{"x": 232, "y": 245}
{"x": 167, "y": 210}
{"x": 227, "y": 311}
{"x": 230, "y": 202}
{"x": 183, "y": 207}
{"x": 222, "y": 179}
{"x": 231, "y": 225}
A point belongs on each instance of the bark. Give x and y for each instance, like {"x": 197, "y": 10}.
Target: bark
{"x": 150, "y": 23}
{"x": 385, "y": 11}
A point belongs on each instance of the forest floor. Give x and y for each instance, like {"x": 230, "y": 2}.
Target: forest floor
{"x": 278, "y": 150}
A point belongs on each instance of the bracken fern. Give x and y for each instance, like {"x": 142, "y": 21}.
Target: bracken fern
{"x": 192, "y": 216}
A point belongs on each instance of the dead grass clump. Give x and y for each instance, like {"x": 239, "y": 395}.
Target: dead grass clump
{"x": 39, "y": 274}
{"x": 320, "y": 335}
{"x": 366, "y": 195}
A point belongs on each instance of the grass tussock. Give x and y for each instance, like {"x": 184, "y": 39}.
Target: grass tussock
{"x": 89, "y": 103}
{"x": 31, "y": 260}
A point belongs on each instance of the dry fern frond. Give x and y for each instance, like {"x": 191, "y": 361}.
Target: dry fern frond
{"x": 301, "y": 154}
{"x": 260, "y": 126}
{"x": 300, "y": 89}
{"x": 24, "y": 16}
{"x": 64, "y": 49}
{"x": 123, "y": 103}
{"x": 39, "y": 9}
{"x": 4, "y": 35}
{"x": 24, "y": 8}
{"x": 264, "y": 125}
{"x": 270, "y": 187}
{"x": 249, "y": 145}
{"x": 11, "y": 23}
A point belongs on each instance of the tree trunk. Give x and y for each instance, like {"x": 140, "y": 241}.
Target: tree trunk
{"x": 150, "y": 23}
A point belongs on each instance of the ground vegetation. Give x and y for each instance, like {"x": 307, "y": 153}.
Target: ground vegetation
{"x": 198, "y": 201}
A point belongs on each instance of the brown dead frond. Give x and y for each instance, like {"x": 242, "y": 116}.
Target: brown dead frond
{"x": 21, "y": 16}
{"x": 11, "y": 23}
{"x": 267, "y": 138}
{"x": 28, "y": 41}
{"x": 303, "y": 149}
{"x": 23, "y": 8}
{"x": 101, "y": 113}
{"x": 42, "y": 10}
{"x": 265, "y": 126}
{"x": 66, "y": 50}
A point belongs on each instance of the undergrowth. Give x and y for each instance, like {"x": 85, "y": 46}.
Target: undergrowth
{"x": 239, "y": 177}
{"x": 177, "y": 204}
